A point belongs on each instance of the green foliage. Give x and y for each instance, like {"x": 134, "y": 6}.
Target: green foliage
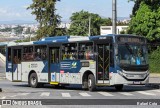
{"x": 122, "y": 32}
{"x": 154, "y": 4}
{"x": 154, "y": 61}
{"x": 44, "y": 10}
{"x": 119, "y": 23}
{"x": 6, "y": 30}
{"x": 146, "y": 22}
{"x": 28, "y": 31}
{"x": 80, "y": 23}
{"x": 26, "y": 40}
{"x": 18, "y": 29}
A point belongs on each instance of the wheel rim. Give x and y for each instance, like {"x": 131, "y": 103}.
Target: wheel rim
{"x": 33, "y": 80}
{"x": 89, "y": 83}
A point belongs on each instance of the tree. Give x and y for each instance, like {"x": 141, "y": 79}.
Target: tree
{"x": 80, "y": 23}
{"x": 154, "y": 4}
{"x": 44, "y": 10}
{"x": 146, "y": 21}
{"x": 18, "y": 29}
{"x": 6, "y": 29}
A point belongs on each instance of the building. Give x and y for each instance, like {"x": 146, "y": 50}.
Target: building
{"x": 108, "y": 29}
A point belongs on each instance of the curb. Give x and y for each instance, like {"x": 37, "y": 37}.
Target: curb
{"x": 2, "y": 78}
{"x": 153, "y": 85}
{"x": 154, "y": 75}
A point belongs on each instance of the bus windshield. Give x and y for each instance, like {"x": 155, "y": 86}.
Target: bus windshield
{"x": 132, "y": 54}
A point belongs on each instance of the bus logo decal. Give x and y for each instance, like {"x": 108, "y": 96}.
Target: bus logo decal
{"x": 74, "y": 65}
{"x": 53, "y": 77}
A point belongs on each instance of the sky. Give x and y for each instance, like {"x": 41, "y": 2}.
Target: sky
{"x": 11, "y": 10}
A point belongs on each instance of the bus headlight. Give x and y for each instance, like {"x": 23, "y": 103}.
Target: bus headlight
{"x": 120, "y": 72}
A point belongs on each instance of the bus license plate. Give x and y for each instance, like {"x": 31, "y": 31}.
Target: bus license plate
{"x": 136, "y": 82}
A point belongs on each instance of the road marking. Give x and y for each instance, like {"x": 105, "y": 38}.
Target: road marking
{"x": 23, "y": 94}
{"x": 126, "y": 94}
{"x": 0, "y": 106}
{"x": 145, "y": 93}
{"x": 13, "y": 96}
{"x": 66, "y": 95}
{"x": 45, "y": 94}
{"x": 155, "y": 90}
{"x": 3, "y": 97}
{"x": 84, "y": 94}
{"x": 105, "y": 94}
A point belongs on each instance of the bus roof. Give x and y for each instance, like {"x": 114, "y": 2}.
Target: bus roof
{"x": 49, "y": 40}
{"x": 63, "y": 39}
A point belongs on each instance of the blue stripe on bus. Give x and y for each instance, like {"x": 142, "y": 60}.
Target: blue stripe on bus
{"x": 45, "y": 69}
{"x": 71, "y": 66}
{"x": 8, "y": 66}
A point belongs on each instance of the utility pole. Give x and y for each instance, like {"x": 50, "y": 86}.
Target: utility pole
{"x": 89, "y": 32}
{"x": 30, "y": 35}
{"x": 114, "y": 16}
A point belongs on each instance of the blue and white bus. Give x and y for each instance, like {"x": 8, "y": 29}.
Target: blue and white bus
{"x": 108, "y": 60}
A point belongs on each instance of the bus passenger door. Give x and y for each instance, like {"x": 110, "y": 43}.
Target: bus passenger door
{"x": 103, "y": 63}
{"x": 54, "y": 55}
{"x": 16, "y": 69}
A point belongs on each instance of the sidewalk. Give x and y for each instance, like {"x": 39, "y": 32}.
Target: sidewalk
{"x": 2, "y": 75}
{"x": 155, "y": 75}
{"x": 154, "y": 78}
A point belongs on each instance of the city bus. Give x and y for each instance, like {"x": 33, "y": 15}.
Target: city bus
{"x": 90, "y": 61}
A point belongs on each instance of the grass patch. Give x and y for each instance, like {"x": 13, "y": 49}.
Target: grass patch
{"x": 154, "y": 61}
{"x": 154, "y": 65}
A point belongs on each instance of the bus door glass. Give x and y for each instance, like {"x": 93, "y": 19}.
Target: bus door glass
{"x": 16, "y": 64}
{"x": 103, "y": 61}
{"x": 54, "y": 55}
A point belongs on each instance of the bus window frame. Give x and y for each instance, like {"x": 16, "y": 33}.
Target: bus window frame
{"x": 9, "y": 59}
{"x": 85, "y": 42}
{"x": 46, "y": 54}
{"x": 62, "y": 53}
{"x": 32, "y": 53}
{"x": 12, "y": 52}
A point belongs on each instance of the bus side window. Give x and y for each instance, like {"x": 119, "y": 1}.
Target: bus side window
{"x": 9, "y": 54}
{"x": 111, "y": 55}
{"x": 69, "y": 51}
{"x": 40, "y": 53}
{"x": 28, "y": 53}
{"x": 86, "y": 51}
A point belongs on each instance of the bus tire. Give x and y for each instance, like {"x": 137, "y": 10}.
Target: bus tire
{"x": 85, "y": 85}
{"x": 29, "y": 84}
{"x": 91, "y": 83}
{"x": 33, "y": 80}
{"x": 119, "y": 87}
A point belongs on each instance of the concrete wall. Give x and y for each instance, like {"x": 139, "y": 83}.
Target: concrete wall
{"x": 104, "y": 30}
{"x": 2, "y": 57}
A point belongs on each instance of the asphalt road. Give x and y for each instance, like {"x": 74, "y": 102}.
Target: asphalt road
{"x": 20, "y": 90}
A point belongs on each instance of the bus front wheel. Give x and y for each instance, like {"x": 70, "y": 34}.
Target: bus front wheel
{"x": 118, "y": 87}
{"x": 33, "y": 80}
{"x": 91, "y": 82}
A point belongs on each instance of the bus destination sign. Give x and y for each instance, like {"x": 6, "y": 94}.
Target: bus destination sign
{"x": 131, "y": 39}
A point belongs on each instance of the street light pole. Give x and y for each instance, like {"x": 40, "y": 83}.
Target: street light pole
{"x": 30, "y": 35}
{"x": 114, "y": 16}
{"x": 89, "y": 34}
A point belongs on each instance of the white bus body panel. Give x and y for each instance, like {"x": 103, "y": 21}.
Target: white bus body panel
{"x": 117, "y": 78}
{"x": 36, "y": 66}
{"x": 9, "y": 75}
{"x": 76, "y": 78}
{"x": 17, "y": 73}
